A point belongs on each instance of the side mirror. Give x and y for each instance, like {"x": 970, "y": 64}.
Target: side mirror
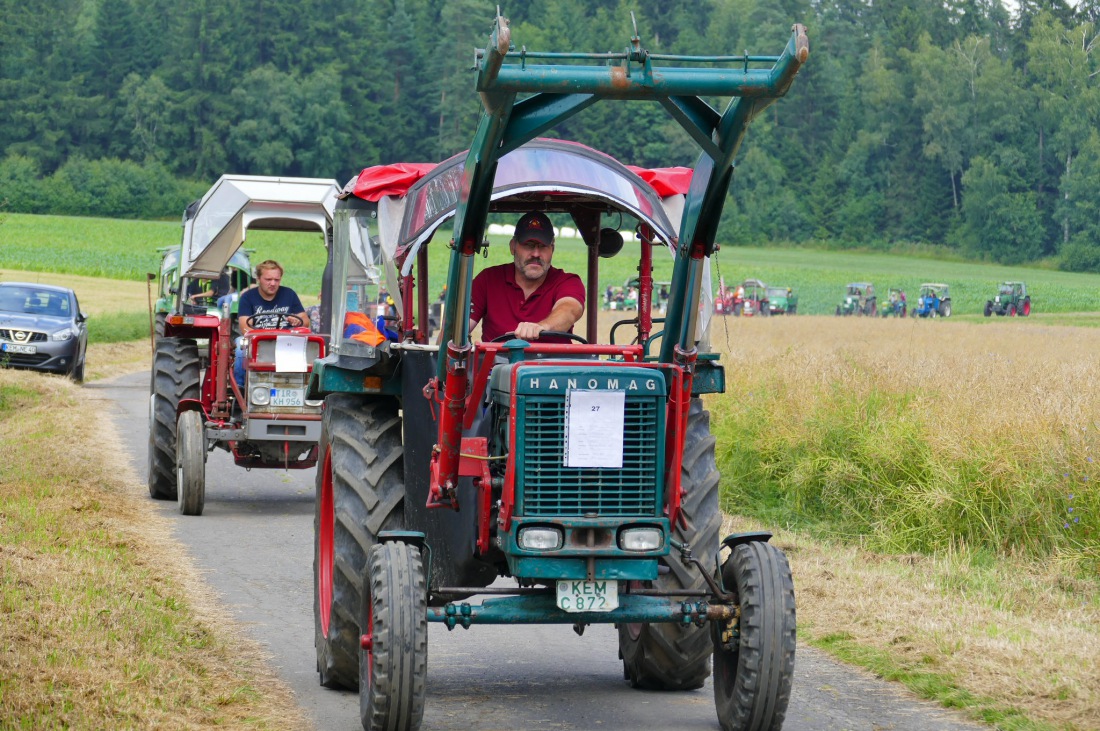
{"x": 174, "y": 289}
{"x": 81, "y": 317}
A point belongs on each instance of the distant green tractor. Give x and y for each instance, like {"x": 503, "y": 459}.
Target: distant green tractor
{"x": 237, "y": 278}
{"x": 895, "y": 303}
{"x": 1012, "y": 299}
{"x": 781, "y": 301}
{"x": 859, "y": 299}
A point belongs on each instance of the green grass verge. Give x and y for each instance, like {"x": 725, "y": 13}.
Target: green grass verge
{"x": 118, "y": 327}
{"x": 927, "y": 683}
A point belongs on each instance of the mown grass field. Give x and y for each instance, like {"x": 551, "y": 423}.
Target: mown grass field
{"x": 127, "y": 250}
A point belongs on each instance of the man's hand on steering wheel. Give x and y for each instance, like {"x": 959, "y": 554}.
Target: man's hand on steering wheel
{"x": 282, "y": 322}
{"x": 547, "y": 333}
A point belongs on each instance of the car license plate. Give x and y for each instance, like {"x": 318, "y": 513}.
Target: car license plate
{"x": 287, "y": 397}
{"x": 588, "y": 596}
{"x": 16, "y": 348}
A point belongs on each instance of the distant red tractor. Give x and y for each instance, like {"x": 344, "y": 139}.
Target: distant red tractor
{"x": 196, "y": 404}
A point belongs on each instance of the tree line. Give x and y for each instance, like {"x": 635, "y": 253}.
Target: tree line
{"x": 955, "y": 124}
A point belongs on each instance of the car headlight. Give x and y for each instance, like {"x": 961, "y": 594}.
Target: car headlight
{"x": 641, "y": 539}
{"x": 66, "y": 334}
{"x": 261, "y": 395}
{"x": 540, "y": 539}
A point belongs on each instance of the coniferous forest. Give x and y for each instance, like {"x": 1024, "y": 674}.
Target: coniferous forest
{"x": 960, "y": 124}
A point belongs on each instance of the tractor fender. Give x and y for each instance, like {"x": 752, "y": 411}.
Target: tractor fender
{"x": 737, "y": 539}
{"x": 414, "y": 537}
{"x": 190, "y": 404}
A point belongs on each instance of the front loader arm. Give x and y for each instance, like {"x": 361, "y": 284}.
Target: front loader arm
{"x": 557, "y": 93}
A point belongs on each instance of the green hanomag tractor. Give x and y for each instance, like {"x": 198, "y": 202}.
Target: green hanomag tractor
{"x": 859, "y": 299}
{"x": 1012, "y": 299}
{"x": 580, "y": 474}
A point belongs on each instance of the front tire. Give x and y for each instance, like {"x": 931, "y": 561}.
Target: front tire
{"x": 754, "y": 656}
{"x": 360, "y": 492}
{"x": 191, "y": 463}
{"x": 175, "y": 378}
{"x": 668, "y": 656}
{"x": 988, "y": 309}
{"x": 393, "y": 668}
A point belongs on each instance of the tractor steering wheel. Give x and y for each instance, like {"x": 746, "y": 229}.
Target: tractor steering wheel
{"x": 281, "y": 323}
{"x": 551, "y": 333}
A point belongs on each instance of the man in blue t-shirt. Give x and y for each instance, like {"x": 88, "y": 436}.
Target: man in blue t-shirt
{"x": 269, "y": 305}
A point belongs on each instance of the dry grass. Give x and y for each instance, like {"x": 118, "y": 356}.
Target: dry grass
{"x": 105, "y": 622}
{"x": 1016, "y": 625}
{"x": 1016, "y": 635}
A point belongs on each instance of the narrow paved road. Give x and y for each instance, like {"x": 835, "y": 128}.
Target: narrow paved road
{"x": 254, "y": 543}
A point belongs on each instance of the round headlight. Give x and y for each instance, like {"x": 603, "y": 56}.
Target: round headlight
{"x": 261, "y": 395}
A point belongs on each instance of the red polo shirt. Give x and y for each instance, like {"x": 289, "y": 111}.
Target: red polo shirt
{"x": 497, "y": 302}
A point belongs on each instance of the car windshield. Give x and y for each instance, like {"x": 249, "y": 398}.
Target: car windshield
{"x": 33, "y": 301}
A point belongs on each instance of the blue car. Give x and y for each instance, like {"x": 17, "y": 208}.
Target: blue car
{"x": 42, "y": 328}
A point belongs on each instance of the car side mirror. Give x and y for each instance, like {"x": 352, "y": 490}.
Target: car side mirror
{"x": 81, "y": 317}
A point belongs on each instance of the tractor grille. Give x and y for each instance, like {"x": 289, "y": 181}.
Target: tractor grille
{"x": 549, "y": 488}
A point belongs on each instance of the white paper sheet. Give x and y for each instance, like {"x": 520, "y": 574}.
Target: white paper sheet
{"x": 594, "y": 428}
{"x": 290, "y": 354}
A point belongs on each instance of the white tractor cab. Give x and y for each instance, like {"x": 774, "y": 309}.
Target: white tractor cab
{"x": 196, "y": 404}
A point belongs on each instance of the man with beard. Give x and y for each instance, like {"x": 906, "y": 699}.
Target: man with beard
{"x": 529, "y": 295}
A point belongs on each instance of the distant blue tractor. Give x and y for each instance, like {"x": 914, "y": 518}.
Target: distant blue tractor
{"x": 934, "y": 301}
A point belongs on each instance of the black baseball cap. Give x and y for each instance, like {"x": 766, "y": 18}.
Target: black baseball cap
{"x": 535, "y": 226}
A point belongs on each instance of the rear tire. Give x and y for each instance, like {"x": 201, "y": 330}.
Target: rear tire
{"x": 1012, "y": 310}
{"x": 360, "y": 492}
{"x": 158, "y": 326}
{"x": 191, "y": 462}
{"x": 392, "y": 671}
{"x": 945, "y": 309}
{"x": 175, "y": 377}
{"x": 1026, "y": 309}
{"x": 668, "y": 656}
{"x": 754, "y": 667}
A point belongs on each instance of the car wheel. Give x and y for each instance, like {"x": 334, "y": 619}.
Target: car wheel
{"x": 77, "y": 373}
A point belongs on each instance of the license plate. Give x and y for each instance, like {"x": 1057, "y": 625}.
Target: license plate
{"x": 588, "y": 596}
{"x": 287, "y": 397}
{"x": 16, "y": 348}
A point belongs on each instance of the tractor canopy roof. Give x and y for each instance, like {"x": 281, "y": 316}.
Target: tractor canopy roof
{"x": 214, "y": 227}
{"x": 753, "y": 284}
{"x": 416, "y": 199}
{"x": 170, "y": 260}
{"x": 863, "y": 286}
